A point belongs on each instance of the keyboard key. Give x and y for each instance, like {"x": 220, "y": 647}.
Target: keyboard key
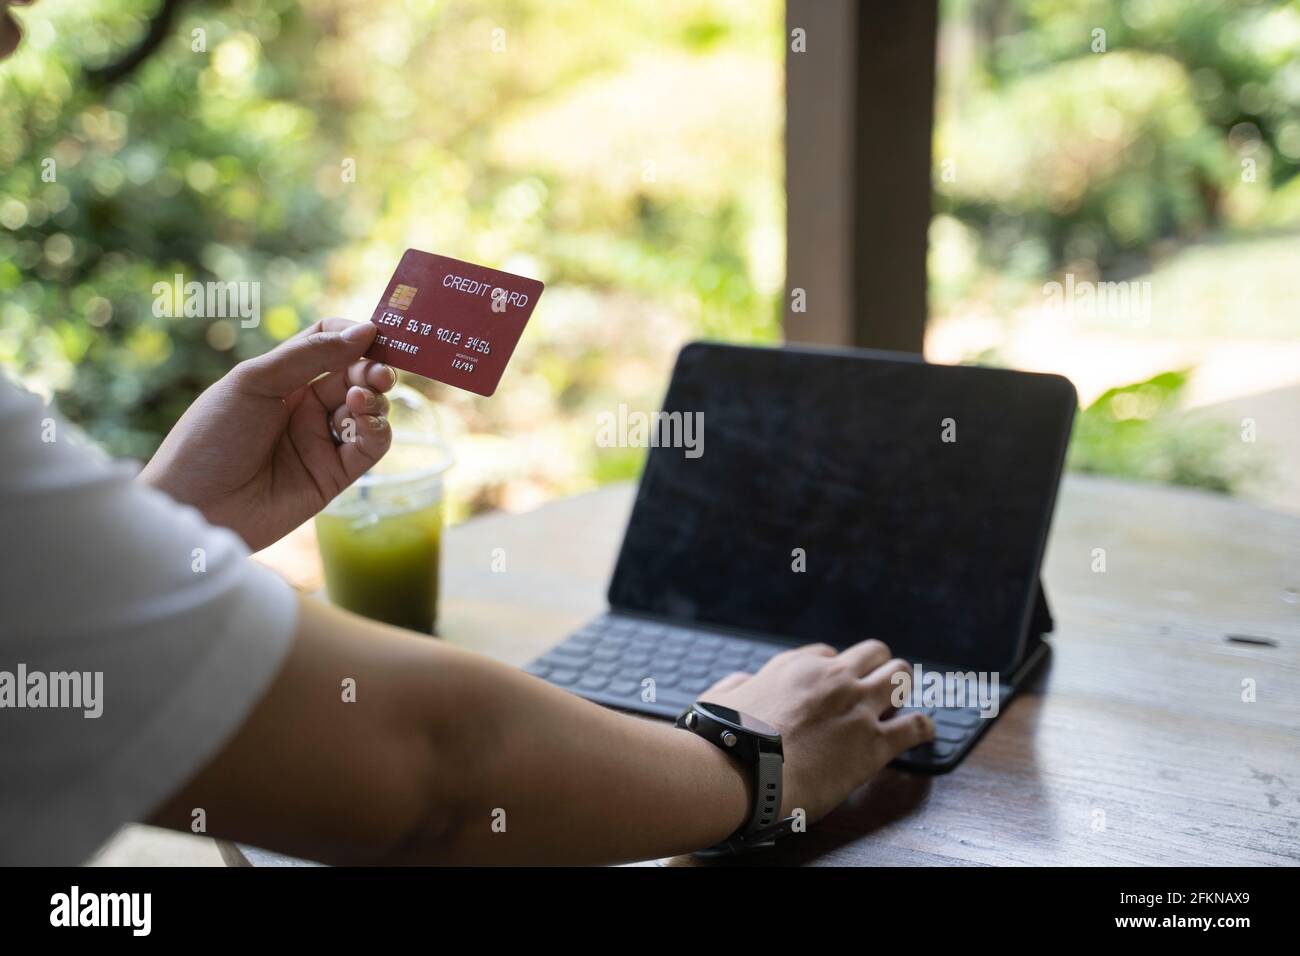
{"x": 561, "y": 660}
{"x": 904, "y": 711}
{"x": 673, "y": 698}
{"x": 563, "y": 676}
{"x": 693, "y": 685}
{"x": 964, "y": 718}
{"x": 602, "y": 667}
{"x": 593, "y": 682}
{"x": 569, "y": 649}
{"x": 626, "y": 688}
{"x": 605, "y": 654}
{"x": 538, "y": 669}
{"x": 949, "y": 735}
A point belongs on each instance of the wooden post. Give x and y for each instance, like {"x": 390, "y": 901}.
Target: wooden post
{"x": 859, "y": 120}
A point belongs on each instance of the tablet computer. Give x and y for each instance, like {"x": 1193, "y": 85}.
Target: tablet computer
{"x": 845, "y": 494}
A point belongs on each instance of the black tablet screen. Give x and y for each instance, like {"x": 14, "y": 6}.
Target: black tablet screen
{"x": 844, "y": 495}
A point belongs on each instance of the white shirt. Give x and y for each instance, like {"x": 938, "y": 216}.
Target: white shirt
{"x": 104, "y": 582}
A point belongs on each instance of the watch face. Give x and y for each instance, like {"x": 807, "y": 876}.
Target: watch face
{"x": 734, "y": 717}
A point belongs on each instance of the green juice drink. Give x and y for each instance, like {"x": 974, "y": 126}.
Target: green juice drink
{"x": 380, "y": 540}
{"x": 386, "y": 567}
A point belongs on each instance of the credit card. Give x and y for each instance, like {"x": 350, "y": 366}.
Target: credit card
{"x": 452, "y": 321}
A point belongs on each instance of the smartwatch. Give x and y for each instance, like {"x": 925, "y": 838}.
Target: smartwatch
{"x": 757, "y": 745}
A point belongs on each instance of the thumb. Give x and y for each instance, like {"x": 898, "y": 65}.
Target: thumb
{"x": 328, "y": 346}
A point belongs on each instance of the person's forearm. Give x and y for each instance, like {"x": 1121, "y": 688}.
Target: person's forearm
{"x": 375, "y": 745}
{"x": 561, "y": 780}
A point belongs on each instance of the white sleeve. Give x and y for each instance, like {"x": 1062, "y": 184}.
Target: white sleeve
{"x": 134, "y": 639}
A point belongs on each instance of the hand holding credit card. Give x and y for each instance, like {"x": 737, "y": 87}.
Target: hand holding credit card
{"x": 452, "y": 321}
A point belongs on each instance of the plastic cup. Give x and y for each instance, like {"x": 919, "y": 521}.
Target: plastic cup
{"x": 380, "y": 540}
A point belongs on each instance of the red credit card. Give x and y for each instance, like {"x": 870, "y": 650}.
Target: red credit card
{"x": 452, "y": 321}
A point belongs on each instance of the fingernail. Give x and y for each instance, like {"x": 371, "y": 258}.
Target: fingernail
{"x": 369, "y": 400}
{"x": 359, "y": 332}
{"x": 375, "y": 422}
{"x": 388, "y": 373}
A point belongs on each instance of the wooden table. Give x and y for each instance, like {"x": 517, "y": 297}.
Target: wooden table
{"x": 1133, "y": 746}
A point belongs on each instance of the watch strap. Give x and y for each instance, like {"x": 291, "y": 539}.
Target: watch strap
{"x": 767, "y": 793}
{"x": 762, "y": 824}
{"x": 754, "y": 840}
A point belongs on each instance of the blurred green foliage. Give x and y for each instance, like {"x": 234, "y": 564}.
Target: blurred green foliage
{"x": 627, "y": 154}
{"x": 1136, "y": 431}
{"x": 1152, "y": 140}
{"x": 305, "y": 145}
{"x": 107, "y": 191}
{"x": 1084, "y": 133}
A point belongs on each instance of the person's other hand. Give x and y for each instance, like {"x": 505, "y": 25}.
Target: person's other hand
{"x": 836, "y": 719}
{"x": 10, "y": 34}
{"x": 256, "y": 453}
